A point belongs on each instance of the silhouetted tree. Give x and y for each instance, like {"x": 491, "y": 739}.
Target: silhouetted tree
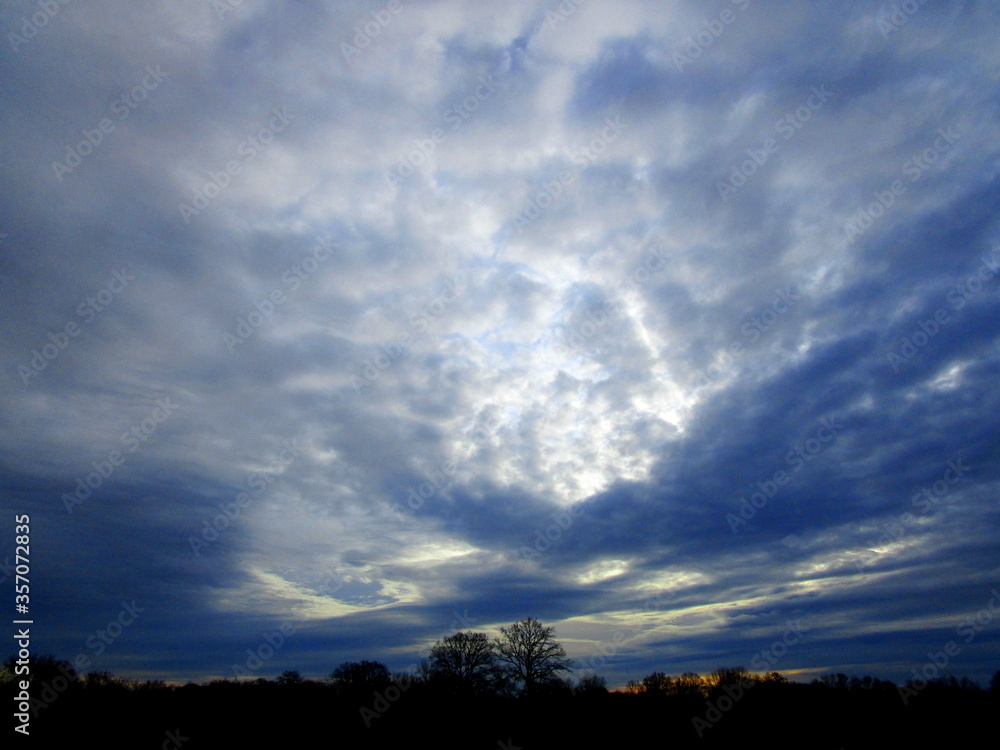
{"x": 104, "y": 680}
{"x": 289, "y": 678}
{"x": 531, "y": 653}
{"x": 42, "y": 668}
{"x": 554, "y": 688}
{"x": 971, "y": 685}
{"x": 728, "y": 676}
{"x": 592, "y": 684}
{"x": 859, "y": 683}
{"x": 423, "y": 670}
{"x": 836, "y": 681}
{"x": 466, "y": 661}
{"x": 995, "y": 683}
{"x": 689, "y": 683}
{"x": 657, "y": 683}
{"x": 360, "y": 677}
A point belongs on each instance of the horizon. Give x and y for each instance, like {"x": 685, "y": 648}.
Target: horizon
{"x": 671, "y": 324}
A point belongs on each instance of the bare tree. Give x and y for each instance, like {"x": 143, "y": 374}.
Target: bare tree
{"x": 690, "y": 683}
{"x": 657, "y": 683}
{"x": 360, "y": 677}
{"x": 289, "y": 678}
{"x": 592, "y": 684}
{"x": 728, "y": 676}
{"x": 468, "y": 660}
{"x": 531, "y": 653}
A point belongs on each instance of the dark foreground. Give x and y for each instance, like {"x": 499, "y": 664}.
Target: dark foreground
{"x": 231, "y": 715}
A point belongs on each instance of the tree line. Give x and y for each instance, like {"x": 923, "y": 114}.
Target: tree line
{"x": 525, "y": 659}
{"x": 474, "y": 690}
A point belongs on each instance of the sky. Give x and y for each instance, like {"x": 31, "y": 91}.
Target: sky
{"x": 331, "y": 328}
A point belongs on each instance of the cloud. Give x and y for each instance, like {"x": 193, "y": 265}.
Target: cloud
{"x": 483, "y": 275}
